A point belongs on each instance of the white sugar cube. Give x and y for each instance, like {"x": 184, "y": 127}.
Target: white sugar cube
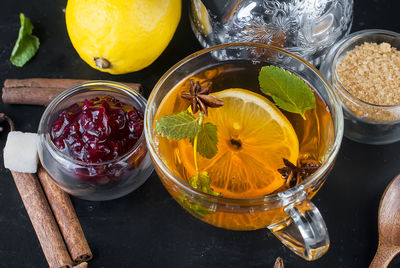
{"x": 20, "y": 152}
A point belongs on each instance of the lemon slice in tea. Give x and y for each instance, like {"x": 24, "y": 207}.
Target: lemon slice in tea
{"x": 253, "y": 138}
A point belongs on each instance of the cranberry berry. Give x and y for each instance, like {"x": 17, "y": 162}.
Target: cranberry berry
{"x": 97, "y": 130}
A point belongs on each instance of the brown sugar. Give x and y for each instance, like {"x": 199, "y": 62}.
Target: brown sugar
{"x": 371, "y": 72}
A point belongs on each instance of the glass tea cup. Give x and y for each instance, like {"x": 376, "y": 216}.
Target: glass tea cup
{"x": 289, "y": 214}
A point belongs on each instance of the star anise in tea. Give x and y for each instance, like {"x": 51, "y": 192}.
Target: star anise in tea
{"x": 199, "y": 97}
{"x": 295, "y": 174}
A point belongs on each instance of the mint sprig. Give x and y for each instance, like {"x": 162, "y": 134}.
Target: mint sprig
{"x": 207, "y": 140}
{"x": 203, "y": 137}
{"x": 194, "y": 207}
{"x": 201, "y": 181}
{"x": 26, "y": 45}
{"x": 288, "y": 91}
{"x": 178, "y": 126}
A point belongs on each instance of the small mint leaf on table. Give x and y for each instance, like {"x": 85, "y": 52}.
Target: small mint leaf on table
{"x": 207, "y": 141}
{"x": 27, "y": 44}
{"x": 202, "y": 182}
{"x": 288, "y": 91}
{"x": 178, "y": 126}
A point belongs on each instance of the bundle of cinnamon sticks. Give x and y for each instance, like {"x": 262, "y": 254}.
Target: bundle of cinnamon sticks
{"x": 49, "y": 207}
{"x": 54, "y": 219}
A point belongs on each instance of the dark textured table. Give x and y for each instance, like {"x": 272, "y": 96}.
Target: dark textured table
{"x": 147, "y": 228}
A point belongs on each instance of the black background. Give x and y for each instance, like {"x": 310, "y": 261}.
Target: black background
{"x": 147, "y": 228}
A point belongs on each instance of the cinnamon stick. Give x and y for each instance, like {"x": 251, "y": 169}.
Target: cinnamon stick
{"x": 42, "y": 219}
{"x": 81, "y": 265}
{"x": 279, "y": 263}
{"x": 41, "y": 91}
{"x": 66, "y": 218}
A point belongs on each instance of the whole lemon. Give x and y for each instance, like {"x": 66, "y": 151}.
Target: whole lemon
{"x": 121, "y": 36}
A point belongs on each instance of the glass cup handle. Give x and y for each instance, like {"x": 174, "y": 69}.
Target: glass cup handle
{"x": 304, "y": 232}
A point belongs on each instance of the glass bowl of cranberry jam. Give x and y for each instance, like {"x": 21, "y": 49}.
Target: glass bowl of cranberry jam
{"x": 92, "y": 140}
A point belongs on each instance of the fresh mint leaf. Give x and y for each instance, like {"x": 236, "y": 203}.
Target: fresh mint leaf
{"x": 178, "y": 126}
{"x": 207, "y": 141}
{"x": 288, "y": 91}
{"x": 193, "y": 207}
{"x": 26, "y": 45}
{"x": 202, "y": 181}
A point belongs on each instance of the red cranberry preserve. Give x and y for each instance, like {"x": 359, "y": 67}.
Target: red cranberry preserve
{"x": 97, "y": 130}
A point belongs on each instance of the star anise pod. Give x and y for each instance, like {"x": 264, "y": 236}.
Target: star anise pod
{"x": 199, "y": 97}
{"x": 294, "y": 174}
{"x": 308, "y": 167}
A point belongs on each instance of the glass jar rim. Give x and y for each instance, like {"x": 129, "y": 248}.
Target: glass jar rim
{"x": 344, "y": 44}
{"x": 286, "y": 196}
{"x": 61, "y": 97}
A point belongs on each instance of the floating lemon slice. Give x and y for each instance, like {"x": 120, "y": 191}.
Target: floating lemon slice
{"x": 253, "y": 138}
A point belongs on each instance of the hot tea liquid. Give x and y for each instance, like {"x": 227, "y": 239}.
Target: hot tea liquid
{"x": 315, "y": 136}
